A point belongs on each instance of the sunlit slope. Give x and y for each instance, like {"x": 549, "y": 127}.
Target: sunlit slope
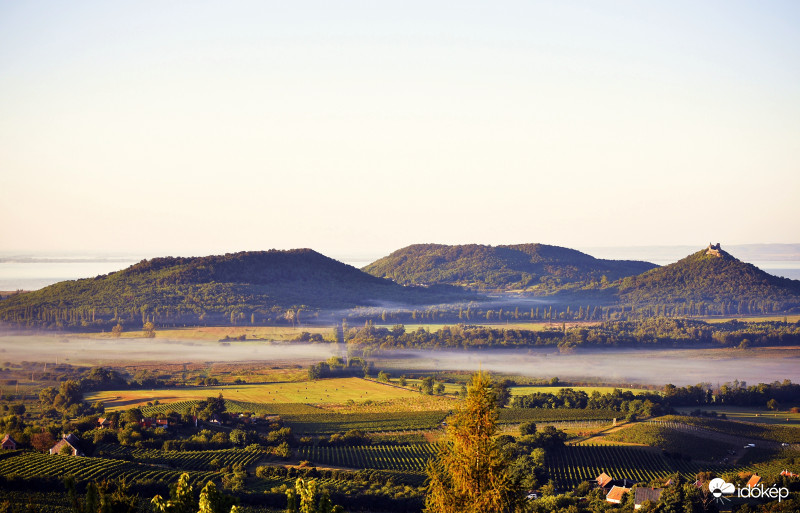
{"x": 712, "y": 277}
{"x": 499, "y": 267}
{"x": 326, "y": 391}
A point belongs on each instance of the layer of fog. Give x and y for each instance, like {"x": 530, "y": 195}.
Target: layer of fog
{"x": 88, "y": 351}
{"x": 679, "y": 367}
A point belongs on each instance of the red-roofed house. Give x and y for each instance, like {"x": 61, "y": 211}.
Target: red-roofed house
{"x": 754, "y": 480}
{"x": 9, "y": 443}
{"x": 616, "y": 493}
{"x": 71, "y": 441}
{"x": 603, "y": 480}
{"x": 788, "y": 474}
{"x": 643, "y": 494}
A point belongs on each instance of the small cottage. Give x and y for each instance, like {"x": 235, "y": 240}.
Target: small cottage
{"x": 71, "y": 441}
{"x": 754, "y": 480}
{"x": 603, "y": 480}
{"x": 643, "y": 494}
{"x": 616, "y": 493}
{"x": 8, "y": 443}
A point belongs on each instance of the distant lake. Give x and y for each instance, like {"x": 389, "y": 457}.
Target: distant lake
{"x": 32, "y": 272}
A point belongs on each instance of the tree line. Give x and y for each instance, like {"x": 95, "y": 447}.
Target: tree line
{"x": 654, "y": 332}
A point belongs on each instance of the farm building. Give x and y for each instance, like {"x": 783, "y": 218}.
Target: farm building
{"x": 642, "y": 495}
{"x": 616, "y": 493}
{"x": 151, "y": 422}
{"x": 8, "y": 443}
{"x": 103, "y": 422}
{"x": 71, "y": 441}
{"x": 603, "y": 480}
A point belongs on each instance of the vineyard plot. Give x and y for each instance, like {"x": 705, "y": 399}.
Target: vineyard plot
{"x": 571, "y": 465}
{"x": 517, "y": 415}
{"x": 183, "y": 460}
{"x": 328, "y": 422}
{"x": 404, "y": 458}
{"x": 31, "y": 464}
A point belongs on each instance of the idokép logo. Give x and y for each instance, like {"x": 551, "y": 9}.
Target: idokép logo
{"x": 720, "y": 489}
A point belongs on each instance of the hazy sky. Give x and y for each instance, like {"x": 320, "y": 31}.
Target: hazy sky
{"x": 352, "y": 127}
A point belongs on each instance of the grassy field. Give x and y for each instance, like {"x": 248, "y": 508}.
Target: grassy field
{"x": 326, "y": 391}
{"x": 758, "y": 415}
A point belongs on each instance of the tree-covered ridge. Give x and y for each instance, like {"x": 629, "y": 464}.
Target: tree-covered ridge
{"x": 706, "y": 277}
{"x": 255, "y": 286}
{"x": 498, "y": 267}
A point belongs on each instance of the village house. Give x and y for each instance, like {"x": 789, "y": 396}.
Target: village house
{"x": 103, "y": 422}
{"x": 754, "y": 480}
{"x": 603, "y": 480}
{"x": 71, "y": 441}
{"x": 616, "y": 493}
{"x": 606, "y": 482}
{"x": 642, "y": 495}
{"x": 8, "y": 443}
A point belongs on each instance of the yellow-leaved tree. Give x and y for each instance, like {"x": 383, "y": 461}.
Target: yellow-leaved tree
{"x": 470, "y": 473}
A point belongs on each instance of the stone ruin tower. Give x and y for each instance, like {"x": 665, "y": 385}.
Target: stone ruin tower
{"x": 714, "y": 249}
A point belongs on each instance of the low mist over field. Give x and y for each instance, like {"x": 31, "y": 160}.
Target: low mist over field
{"x": 680, "y": 367}
{"x": 90, "y": 351}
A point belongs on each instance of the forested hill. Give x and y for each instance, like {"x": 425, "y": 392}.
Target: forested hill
{"x": 519, "y": 266}
{"x": 234, "y": 288}
{"x": 712, "y": 277}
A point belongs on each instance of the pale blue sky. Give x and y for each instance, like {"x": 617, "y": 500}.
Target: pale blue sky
{"x": 361, "y": 127}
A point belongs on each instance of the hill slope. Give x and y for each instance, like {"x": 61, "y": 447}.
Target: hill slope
{"x": 498, "y": 267}
{"x": 214, "y": 289}
{"x": 715, "y": 276}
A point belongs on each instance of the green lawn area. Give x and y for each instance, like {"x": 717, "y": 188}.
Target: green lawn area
{"x": 324, "y": 391}
{"x": 749, "y": 414}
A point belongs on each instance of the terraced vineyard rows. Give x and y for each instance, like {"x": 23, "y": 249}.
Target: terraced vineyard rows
{"x": 31, "y": 464}
{"x": 571, "y": 465}
{"x": 516, "y": 415}
{"x": 40, "y": 501}
{"x": 236, "y": 407}
{"x": 183, "y": 460}
{"x": 406, "y": 458}
{"x": 328, "y": 422}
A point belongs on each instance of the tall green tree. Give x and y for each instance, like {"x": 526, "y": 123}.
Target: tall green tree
{"x": 470, "y": 473}
{"x": 182, "y": 499}
{"x": 307, "y": 497}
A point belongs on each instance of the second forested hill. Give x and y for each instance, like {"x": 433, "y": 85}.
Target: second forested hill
{"x": 510, "y": 267}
